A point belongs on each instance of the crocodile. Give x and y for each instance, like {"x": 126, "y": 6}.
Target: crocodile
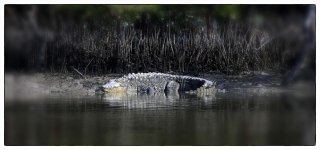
{"x": 158, "y": 82}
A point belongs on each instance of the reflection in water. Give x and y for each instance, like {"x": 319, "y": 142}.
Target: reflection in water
{"x": 158, "y": 100}
{"x": 167, "y": 119}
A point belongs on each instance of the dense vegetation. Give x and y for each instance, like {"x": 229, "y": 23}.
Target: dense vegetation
{"x": 97, "y": 39}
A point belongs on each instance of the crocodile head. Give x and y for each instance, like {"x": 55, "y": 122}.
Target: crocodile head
{"x": 114, "y": 87}
{"x": 208, "y": 84}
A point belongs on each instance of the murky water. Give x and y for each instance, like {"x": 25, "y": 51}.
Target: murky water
{"x": 172, "y": 119}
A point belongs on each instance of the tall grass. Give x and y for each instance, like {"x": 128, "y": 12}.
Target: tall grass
{"x": 232, "y": 48}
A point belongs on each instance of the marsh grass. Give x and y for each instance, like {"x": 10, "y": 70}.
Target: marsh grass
{"x": 231, "y": 48}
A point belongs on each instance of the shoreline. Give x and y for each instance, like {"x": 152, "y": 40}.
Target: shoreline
{"x": 37, "y": 84}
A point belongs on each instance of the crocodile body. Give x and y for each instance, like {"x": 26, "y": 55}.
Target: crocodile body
{"x": 158, "y": 82}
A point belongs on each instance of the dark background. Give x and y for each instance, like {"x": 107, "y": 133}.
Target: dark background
{"x": 98, "y": 39}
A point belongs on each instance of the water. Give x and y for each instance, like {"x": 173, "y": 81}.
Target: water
{"x": 286, "y": 118}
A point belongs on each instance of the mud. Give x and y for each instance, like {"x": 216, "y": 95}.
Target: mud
{"x": 30, "y": 85}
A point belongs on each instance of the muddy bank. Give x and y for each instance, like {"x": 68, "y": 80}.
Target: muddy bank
{"x": 29, "y": 85}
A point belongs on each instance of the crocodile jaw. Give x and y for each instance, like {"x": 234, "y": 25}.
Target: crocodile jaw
{"x": 208, "y": 84}
{"x": 113, "y": 87}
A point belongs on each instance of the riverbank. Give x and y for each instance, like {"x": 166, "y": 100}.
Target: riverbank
{"x": 30, "y": 85}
